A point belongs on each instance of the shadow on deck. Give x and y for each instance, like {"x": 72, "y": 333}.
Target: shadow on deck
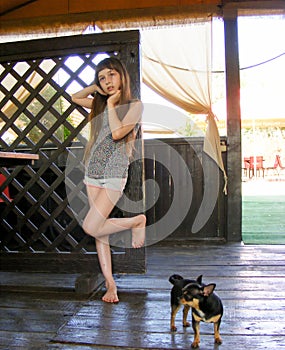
{"x": 250, "y": 280}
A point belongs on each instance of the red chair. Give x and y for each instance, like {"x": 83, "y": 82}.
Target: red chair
{"x": 279, "y": 162}
{"x": 256, "y": 164}
{"x": 278, "y": 159}
{"x": 276, "y": 164}
{"x": 246, "y": 166}
{"x": 6, "y": 189}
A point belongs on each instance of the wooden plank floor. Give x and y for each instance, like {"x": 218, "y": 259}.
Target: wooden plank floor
{"x": 250, "y": 280}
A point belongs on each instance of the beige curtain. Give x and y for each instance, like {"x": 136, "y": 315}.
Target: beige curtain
{"x": 177, "y": 65}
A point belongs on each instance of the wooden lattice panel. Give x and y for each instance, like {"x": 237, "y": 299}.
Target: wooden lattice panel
{"x": 38, "y": 116}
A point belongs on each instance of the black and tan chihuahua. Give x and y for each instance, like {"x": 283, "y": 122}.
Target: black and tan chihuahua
{"x": 205, "y": 304}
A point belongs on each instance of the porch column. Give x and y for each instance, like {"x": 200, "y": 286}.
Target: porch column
{"x": 234, "y": 212}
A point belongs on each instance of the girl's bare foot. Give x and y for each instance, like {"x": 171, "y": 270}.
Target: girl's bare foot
{"x": 138, "y": 232}
{"x": 111, "y": 295}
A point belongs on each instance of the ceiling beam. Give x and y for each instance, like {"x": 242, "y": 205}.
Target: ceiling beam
{"x": 42, "y": 16}
{"x": 6, "y": 7}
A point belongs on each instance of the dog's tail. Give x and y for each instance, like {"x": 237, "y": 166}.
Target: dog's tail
{"x": 174, "y": 278}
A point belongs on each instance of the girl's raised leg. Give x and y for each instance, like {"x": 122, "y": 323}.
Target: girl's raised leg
{"x": 97, "y": 225}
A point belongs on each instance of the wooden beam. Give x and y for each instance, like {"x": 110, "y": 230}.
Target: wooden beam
{"x": 6, "y": 8}
{"x": 62, "y": 15}
{"x": 76, "y": 6}
{"x": 55, "y": 16}
{"x": 234, "y": 214}
{"x": 254, "y": 4}
{"x": 124, "y": 18}
{"x": 39, "y": 8}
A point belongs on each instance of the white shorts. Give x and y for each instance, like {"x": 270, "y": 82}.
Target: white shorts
{"x": 115, "y": 184}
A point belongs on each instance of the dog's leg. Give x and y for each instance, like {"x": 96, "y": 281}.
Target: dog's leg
{"x": 174, "y": 310}
{"x": 185, "y": 314}
{"x": 196, "y": 329}
{"x": 218, "y": 339}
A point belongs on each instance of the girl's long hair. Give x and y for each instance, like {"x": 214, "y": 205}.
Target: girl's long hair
{"x": 100, "y": 102}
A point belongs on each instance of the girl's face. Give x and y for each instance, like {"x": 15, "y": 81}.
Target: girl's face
{"x": 109, "y": 80}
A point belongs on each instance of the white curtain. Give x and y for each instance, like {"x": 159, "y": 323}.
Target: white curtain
{"x": 177, "y": 64}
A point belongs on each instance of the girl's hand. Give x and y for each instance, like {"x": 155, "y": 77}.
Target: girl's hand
{"x": 114, "y": 99}
{"x": 82, "y": 97}
{"x": 120, "y": 128}
{"x": 99, "y": 90}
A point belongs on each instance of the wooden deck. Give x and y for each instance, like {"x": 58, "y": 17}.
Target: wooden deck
{"x": 43, "y": 312}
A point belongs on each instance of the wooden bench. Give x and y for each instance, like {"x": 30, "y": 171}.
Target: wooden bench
{"x": 16, "y": 158}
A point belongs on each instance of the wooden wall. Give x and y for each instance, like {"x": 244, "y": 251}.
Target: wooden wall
{"x": 183, "y": 175}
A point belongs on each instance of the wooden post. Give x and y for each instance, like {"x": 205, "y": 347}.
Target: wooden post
{"x": 234, "y": 213}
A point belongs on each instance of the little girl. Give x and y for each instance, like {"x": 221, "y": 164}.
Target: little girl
{"x": 114, "y": 118}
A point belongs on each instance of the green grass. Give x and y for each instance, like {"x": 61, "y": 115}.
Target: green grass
{"x": 263, "y": 219}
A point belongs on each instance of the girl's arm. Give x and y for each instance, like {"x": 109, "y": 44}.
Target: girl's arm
{"x": 82, "y": 97}
{"x": 120, "y": 128}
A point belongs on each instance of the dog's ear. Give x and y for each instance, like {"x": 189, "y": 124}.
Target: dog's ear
{"x": 199, "y": 279}
{"x": 208, "y": 290}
